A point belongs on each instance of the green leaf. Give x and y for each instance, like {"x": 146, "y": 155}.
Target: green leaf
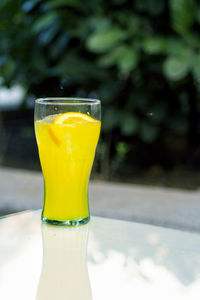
{"x": 77, "y": 69}
{"x": 38, "y": 62}
{"x": 3, "y": 60}
{"x": 110, "y": 58}
{"x": 177, "y": 67}
{"x": 101, "y": 41}
{"x": 196, "y": 67}
{"x": 29, "y": 5}
{"x": 99, "y": 23}
{"x": 122, "y": 149}
{"x": 46, "y": 36}
{"x": 154, "y": 45}
{"x": 133, "y": 23}
{"x": 8, "y": 70}
{"x": 183, "y": 14}
{"x": 148, "y": 132}
{"x": 128, "y": 59}
{"x": 44, "y": 21}
{"x": 58, "y": 47}
{"x": 125, "y": 57}
{"x": 129, "y": 124}
{"x": 175, "y": 46}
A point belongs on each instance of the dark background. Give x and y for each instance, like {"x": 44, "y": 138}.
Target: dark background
{"x": 141, "y": 58}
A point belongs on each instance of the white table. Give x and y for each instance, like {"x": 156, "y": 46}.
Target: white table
{"x": 106, "y": 259}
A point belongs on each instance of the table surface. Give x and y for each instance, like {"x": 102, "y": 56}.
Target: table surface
{"x": 105, "y": 259}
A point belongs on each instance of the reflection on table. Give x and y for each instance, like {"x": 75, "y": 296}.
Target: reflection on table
{"x": 64, "y": 270}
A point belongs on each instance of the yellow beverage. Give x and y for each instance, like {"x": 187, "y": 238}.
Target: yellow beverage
{"x": 67, "y": 144}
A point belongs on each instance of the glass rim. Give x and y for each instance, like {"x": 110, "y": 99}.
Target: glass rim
{"x": 67, "y": 101}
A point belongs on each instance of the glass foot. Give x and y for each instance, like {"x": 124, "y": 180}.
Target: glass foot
{"x": 66, "y": 223}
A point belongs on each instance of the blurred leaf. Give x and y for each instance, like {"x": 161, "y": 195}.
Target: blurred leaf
{"x": 168, "y": 45}
{"x": 61, "y": 3}
{"x": 99, "y": 23}
{"x": 57, "y": 48}
{"x": 175, "y": 46}
{"x": 29, "y": 5}
{"x": 154, "y": 45}
{"x": 38, "y": 62}
{"x": 3, "y": 60}
{"x": 46, "y": 36}
{"x": 125, "y": 57}
{"x": 129, "y": 124}
{"x": 110, "y": 58}
{"x": 182, "y": 15}
{"x": 77, "y": 69}
{"x": 133, "y": 23}
{"x": 128, "y": 59}
{"x": 44, "y": 21}
{"x": 196, "y": 67}
{"x": 8, "y": 69}
{"x": 177, "y": 67}
{"x": 122, "y": 149}
{"x": 101, "y": 41}
{"x": 148, "y": 132}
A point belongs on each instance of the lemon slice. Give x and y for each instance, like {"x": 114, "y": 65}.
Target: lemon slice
{"x": 71, "y": 118}
{"x": 53, "y": 135}
{"x": 64, "y": 119}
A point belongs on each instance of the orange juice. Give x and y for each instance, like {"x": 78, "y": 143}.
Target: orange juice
{"x": 67, "y": 144}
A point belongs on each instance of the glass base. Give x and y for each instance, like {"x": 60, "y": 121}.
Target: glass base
{"x": 66, "y": 223}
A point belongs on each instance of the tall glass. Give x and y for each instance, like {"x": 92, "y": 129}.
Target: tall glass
{"x": 67, "y": 132}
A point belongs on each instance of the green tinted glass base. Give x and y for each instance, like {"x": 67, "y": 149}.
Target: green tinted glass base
{"x": 65, "y": 223}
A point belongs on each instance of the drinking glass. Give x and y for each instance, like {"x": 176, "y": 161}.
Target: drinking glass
{"x": 67, "y": 132}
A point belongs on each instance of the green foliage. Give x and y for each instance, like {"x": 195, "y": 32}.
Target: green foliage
{"x": 124, "y": 57}
{"x": 183, "y": 13}
{"x": 196, "y": 67}
{"x": 178, "y": 66}
{"x": 139, "y": 57}
{"x": 102, "y": 41}
{"x": 129, "y": 124}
